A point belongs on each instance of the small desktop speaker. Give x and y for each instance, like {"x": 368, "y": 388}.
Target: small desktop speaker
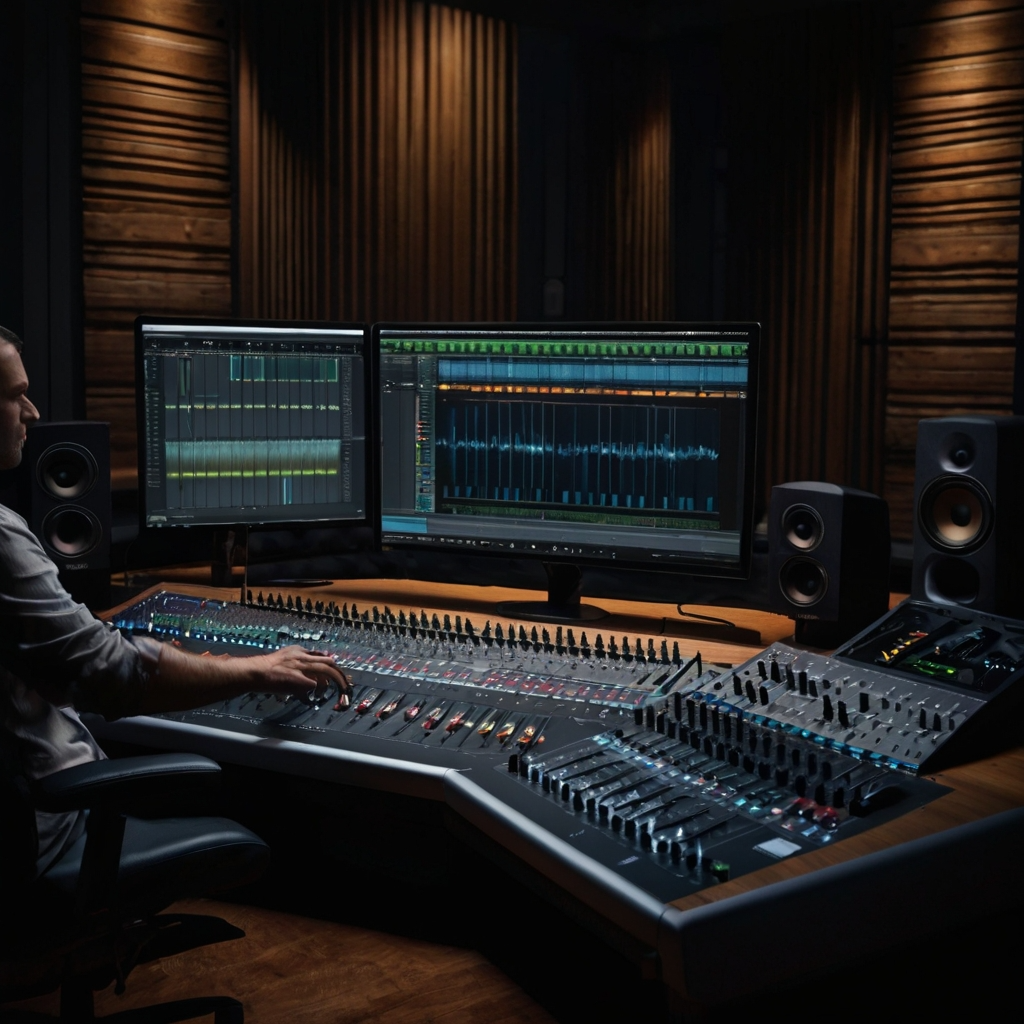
{"x": 828, "y": 559}
{"x": 65, "y": 499}
{"x": 969, "y": 513}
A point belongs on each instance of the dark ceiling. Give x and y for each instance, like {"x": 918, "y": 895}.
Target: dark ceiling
{"x": 636, "y": 19}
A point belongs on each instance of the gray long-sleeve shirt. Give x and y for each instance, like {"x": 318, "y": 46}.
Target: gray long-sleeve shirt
{"x": 55, "y": 658}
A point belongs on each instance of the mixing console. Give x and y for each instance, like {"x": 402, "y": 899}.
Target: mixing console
{"x": 691, "y": 770}
{"x": 627, "y": 777}
{"x": 434, "y": 685}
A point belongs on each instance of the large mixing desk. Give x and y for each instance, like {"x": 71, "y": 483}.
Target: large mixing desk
{"x": 742, "y": 800}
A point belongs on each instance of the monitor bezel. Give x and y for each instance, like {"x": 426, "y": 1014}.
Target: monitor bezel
{"x": 365, "y": 521}
{"x": 738, "y": 570}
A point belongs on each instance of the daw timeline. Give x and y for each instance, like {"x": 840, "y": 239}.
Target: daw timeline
{"x": 247, "y": 426}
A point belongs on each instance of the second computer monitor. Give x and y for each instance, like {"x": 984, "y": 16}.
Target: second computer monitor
{"x": 616, "y": 444}
{"x": 251, "y": 422}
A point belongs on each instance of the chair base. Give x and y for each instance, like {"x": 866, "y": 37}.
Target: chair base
{"x": 161, "y": 936}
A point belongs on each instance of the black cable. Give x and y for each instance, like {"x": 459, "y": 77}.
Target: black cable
{"x": 704, "y": 618}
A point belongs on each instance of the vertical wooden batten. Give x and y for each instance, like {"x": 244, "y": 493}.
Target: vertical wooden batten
{"x": 958, "y": 117}
{"x": 377, "y": 157}
{"x": 807, "y": 127}
{"x": 628, "y": 245}
{"x": 156, "y": 204}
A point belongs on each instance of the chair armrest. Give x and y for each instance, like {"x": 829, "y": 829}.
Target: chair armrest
{"x": 121, "y": 782}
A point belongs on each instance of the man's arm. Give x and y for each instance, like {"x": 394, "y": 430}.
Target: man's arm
{"x": 63, "y": 652}
{"x": 179, "y": 680}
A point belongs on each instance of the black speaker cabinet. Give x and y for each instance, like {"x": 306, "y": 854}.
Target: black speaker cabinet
{"x": 969, "y": 513}
{"x": 65, "y": 499}
{"x": 828, "y": 559}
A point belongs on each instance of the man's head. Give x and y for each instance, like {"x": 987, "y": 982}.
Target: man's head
{"x": 17, "y": 413}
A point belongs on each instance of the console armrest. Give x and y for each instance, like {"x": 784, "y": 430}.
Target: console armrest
{"x": 121, "y": 782}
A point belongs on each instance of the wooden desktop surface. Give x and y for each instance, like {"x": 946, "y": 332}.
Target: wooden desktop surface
{"x": 976, "y": 790}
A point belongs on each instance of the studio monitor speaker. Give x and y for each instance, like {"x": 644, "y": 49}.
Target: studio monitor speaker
{"x": 828, "y": 559}
{"x": 969, "y": 513}
{"x": 65, "y": 499}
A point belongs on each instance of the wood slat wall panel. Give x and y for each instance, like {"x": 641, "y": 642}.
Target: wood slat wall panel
{"x": 190, "y": 17}
{"x": 808, "y": 105}
{"x": 377, "y": 162}
{"x": 956, "y": 163}
{"x": 628, "y": 160}
{"x": 156, "y": 186}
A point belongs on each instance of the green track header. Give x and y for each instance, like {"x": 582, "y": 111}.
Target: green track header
{"x": 537, "y": 348}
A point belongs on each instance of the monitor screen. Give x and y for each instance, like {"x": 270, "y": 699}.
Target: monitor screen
{"x": 623, "y": 444}
{"x": 249, "y": 423}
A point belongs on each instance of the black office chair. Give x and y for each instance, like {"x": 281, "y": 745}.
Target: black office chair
{"x": 95, "y": 913}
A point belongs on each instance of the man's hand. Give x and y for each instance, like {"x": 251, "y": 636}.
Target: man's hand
{"x": 179, "y": 680}
{"x": 299, "y": 672}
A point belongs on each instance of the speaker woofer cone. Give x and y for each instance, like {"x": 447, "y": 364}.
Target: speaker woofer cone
{"x": 802, "y": 527}
{"x": 804, "y": 581}
{"x": 67, "y": 471}
{"x": 952, "y": 580}
{"x": 71, "y": 531}
{"x": 955, "y": 513}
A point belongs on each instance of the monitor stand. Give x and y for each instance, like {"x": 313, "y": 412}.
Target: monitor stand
{"x": 563, "y": 603}
{"x": 230, "y": 548}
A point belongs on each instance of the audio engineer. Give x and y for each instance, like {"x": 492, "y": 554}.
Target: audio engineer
{"x": 57, "y": 659}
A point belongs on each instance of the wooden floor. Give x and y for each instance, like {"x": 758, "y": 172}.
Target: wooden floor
{"x": 302, "y": 971}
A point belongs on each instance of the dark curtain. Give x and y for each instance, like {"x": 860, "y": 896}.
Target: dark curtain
{"x": 808, "y": 99}
{"x": 627, "y": 178}
{"x": 377, "y": 162}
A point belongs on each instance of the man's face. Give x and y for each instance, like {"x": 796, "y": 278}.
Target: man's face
{"x": 17, "y": 413}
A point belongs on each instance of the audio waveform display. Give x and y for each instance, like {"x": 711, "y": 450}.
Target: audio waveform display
{"x": 252, "y": 472}
{"x": 626, "y": 456}
{"x": 693, "y": 375}
{"x": 252, "y": 424}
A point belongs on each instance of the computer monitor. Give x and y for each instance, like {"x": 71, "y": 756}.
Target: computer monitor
{"x": 626, "y": 445}
{"x": 251, "y": 423}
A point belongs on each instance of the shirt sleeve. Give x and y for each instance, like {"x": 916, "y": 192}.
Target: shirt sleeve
{"x": 50, "y": 641}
